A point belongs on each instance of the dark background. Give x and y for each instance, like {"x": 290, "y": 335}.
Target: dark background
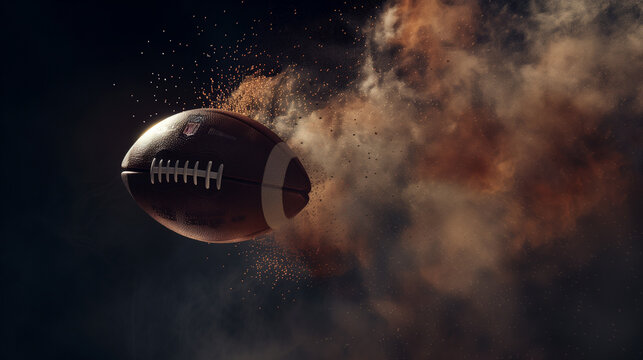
{"x": 87, "y": 274}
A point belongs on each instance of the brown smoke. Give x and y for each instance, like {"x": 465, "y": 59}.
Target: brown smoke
{"x": 454, "y": 152}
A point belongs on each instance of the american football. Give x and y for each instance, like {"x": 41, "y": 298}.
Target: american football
{"x": 215, "y": 176}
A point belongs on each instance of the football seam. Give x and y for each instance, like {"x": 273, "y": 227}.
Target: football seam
{"x": 239, "y": 180}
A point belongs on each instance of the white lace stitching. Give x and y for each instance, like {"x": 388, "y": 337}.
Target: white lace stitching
{"x": 175, "y": 170}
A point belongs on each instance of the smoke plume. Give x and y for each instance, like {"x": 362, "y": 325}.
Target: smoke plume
{"x": 472, "y": 136}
